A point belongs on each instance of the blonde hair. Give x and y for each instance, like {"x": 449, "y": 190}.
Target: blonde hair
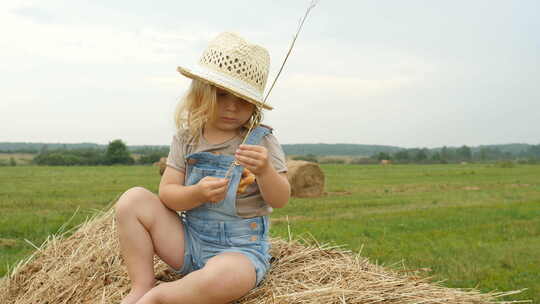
{"x": 199, "y": 105}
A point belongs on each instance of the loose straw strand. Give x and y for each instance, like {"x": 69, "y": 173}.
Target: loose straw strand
{"x": 311, "y": 5}
{"x": 301, "y": 23}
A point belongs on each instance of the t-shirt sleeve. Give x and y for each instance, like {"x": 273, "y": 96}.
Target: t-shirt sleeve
{"x": 275, "y": 151}
{"x": 176, "y": 158}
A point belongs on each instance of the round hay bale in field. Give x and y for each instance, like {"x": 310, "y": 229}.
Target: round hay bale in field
{"x": 385, "y": 162}
{"x": 86, "y": 267}
{"x": 162, "y": 164}
{"x": 306, "y": 178}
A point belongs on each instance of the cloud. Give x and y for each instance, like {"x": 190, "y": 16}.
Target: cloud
{"x": 340, "y": 86}
{"x": 412, "y": 73}
{"x": 36, "y": 14}
{"x": 356, "y": 74}
{"x": 168, "y": 82}
{"x": 37, "y": 36}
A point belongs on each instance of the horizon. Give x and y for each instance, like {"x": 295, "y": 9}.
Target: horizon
{"x": 166, "y": 145}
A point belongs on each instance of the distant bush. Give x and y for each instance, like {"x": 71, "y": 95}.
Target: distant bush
{"x": 363, "y": 161}
{"x": 530, "y": 161}
{"x": 58, "y": 159}
{"x": 117, "y": 153}
{"x": 152, "y": 157}
{"x": 332, "y": 160}
{"x": 82, "y": 157}
{"x": 505, "y": 164}
{"x": 309, "y": 157}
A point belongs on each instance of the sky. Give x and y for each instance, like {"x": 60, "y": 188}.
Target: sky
{"x": 403, "y": 73}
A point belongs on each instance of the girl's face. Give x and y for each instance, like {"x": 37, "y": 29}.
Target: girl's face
{"x": 232, "y": 112}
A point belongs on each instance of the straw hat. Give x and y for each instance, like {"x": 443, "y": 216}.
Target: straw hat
{"x": 232, "y": 64}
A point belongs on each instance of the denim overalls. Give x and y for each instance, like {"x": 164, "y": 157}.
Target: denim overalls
{"x": 213, "y": 228}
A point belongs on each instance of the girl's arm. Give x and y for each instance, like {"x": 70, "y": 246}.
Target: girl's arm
{"x": 176, "y": 196}
{"x": 274, "y": 187}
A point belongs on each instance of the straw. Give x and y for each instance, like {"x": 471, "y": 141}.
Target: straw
{"x": 86, "y": 267}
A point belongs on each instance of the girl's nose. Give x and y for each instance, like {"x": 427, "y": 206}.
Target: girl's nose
{"x": 230, "y": 105}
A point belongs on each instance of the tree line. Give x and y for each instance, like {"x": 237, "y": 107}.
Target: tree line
{"x": 437, "y": 155}
{"x": 116, "y": 153}
{"x": 461, "y": 154}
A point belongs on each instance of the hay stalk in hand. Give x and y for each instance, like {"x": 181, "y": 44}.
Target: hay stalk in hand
{"x": 301, "y": 23}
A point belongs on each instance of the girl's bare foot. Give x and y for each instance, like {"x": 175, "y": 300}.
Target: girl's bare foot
{"x": 134, "y": 295}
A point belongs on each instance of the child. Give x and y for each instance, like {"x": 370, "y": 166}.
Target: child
{"x": 201, "y": 224}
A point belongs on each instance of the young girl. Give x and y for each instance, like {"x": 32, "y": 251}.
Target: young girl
{"x": 202, "y": 224}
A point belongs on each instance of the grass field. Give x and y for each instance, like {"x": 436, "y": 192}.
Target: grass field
{"x": 473, "y": 225}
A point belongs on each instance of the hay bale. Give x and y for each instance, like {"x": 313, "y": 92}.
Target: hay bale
{"x": 86, "y": 267}
{"x": 306, "y": 178}
{"x": 162, "y": 164}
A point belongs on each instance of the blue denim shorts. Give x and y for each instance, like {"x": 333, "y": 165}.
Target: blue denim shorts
{"x": 206, "y": 238}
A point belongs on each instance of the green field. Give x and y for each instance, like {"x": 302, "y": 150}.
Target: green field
{"x": 474, "y": 225}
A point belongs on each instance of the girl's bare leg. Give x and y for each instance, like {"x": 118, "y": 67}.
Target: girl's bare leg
{"x": 146, "y": 226}
{"x": 225, "y": 278}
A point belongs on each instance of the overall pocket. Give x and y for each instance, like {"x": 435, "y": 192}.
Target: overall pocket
{"x": 249, "y": 233}
{"x": 194, "y": 176}
{"x": 199, "y": 173}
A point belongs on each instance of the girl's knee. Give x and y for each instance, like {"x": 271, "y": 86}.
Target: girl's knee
{"x": 130, "y": 198}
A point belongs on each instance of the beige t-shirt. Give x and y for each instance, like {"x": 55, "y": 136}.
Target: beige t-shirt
{"x": 248, "y": 204}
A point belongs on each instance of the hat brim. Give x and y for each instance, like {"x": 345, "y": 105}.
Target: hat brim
{"x": 222, "y": 82}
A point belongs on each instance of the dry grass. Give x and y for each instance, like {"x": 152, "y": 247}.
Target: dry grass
{"x": 86, "y": 268}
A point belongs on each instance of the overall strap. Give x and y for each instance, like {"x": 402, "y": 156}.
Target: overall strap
{"x": 254, "y": 138}
{"x": 257, "y": 134}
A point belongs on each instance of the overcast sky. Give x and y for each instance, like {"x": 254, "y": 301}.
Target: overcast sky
{"x": 404, "y": 73}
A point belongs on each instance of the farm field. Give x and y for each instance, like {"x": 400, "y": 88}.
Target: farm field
{"x": 474, "y": 225}
{"x": 20, "y": 158}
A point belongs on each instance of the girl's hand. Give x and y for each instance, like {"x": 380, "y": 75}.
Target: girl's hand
{"x": 212, "y": 189}
{"x": 254, "y": 158}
